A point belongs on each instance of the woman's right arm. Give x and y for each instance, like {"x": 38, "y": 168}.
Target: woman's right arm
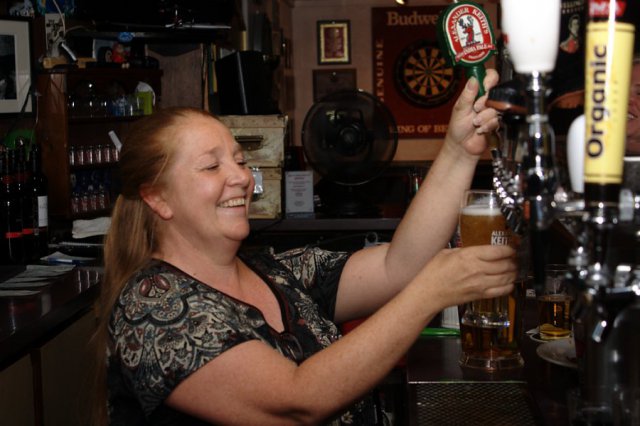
{"x": 252, "y": 383}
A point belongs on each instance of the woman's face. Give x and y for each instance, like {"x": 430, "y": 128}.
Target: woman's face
{"x": 208, "y": 186}
{"x": 633, "y": 123}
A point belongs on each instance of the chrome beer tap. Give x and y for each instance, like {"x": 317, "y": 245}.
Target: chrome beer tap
{"x": 527, "y": 190}
{"x": 601, "y": 214}
{"x": 540, "y": 177}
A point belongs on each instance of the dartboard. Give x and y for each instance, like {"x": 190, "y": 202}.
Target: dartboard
{"x": 423, "y": 76}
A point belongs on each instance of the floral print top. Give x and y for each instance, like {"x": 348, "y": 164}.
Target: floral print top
{"x": 166, "y": 325}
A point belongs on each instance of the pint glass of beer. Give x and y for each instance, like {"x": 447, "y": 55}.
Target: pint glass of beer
{"x": 489, "y": 328}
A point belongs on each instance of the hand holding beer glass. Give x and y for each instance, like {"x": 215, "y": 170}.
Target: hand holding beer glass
{"x": 489, "y": 328}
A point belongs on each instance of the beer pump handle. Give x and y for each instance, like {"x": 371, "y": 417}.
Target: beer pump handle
{"x": 479, "y": 73}
{"x": 575, "y": 153}
{"x": 466, "y": 37}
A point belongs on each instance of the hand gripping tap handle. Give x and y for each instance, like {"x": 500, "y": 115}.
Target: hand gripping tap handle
{"x": 466, "y": 37}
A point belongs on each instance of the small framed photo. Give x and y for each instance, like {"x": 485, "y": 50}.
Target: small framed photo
{"x": 334, "y": 44}
{"x": 15, "y": 67}
{"x": 333, "y": 80}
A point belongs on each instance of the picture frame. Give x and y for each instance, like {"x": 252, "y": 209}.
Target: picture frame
{"x": 15, "y": 66}
{"x": 334, "y": 42}
{"x": 328, "y": 81}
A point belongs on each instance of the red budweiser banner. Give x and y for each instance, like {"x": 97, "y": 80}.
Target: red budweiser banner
{"x": 410, "y": 72}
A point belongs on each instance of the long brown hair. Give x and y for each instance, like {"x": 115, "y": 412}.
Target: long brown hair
{"x": 147, "y": 151}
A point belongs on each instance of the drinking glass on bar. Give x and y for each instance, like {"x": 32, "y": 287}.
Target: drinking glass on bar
{"x": 489, "y": 328}
{"x": 554, "y": 304}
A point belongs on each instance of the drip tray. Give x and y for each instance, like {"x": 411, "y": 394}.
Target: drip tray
{"x": 472, "y": 403}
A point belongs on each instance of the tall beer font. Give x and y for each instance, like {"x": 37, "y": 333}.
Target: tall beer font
{"x": 601, "y": 213}
{"x": 609, "y": 306}
{"x": 533, "y": 51}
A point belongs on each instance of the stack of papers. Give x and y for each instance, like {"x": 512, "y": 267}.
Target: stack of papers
{"x": 58, "y": 257}
{"x": 91, "y": 227}
{"x": 31, "y": 279}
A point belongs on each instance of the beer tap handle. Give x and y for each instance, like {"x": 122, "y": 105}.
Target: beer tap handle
{"x": 466, "y": 37}
{"x": 479, "y": 72}
{"x": 575, "y": 154}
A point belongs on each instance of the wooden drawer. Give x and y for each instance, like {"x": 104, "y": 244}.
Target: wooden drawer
{"x": 268, "y": 205}
{"x": 262, "y": 137}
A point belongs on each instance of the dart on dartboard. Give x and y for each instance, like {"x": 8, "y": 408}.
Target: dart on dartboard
{"x": 466, "y": 37}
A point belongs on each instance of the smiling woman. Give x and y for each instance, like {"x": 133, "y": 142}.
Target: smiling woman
{"x": 196, "y": 329}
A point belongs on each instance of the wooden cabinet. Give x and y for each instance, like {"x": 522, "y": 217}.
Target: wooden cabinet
{"x": 66, "y": 364}
{"x": 16, "y": 393}
{"x": 77, "y": 108}
{"x": 52, "y": 386}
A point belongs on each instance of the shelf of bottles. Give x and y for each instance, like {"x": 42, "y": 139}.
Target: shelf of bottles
{"x": 92, "y": 179}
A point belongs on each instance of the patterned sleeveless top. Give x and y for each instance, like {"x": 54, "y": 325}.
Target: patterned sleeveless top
{"x": 166, "y": 325}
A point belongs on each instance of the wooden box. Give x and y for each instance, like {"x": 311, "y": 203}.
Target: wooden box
{"x": 262, "y": 137}
{"x": 268, "y": 205}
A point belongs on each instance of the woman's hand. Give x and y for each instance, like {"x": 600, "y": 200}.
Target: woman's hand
{"x": 471, "y": 119}
{"x": 459, "y": 275}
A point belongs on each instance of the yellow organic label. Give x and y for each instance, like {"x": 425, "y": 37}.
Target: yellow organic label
{"x": 609, "y": 51}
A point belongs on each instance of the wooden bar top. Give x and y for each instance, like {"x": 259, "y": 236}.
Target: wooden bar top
{"x": 27, "y": 321}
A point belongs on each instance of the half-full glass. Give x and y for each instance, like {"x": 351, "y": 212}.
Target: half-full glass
{"x": 555, "y": 304}
{"x": 489, "y": 328}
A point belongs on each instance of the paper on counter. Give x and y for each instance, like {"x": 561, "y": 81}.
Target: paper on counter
{"x": 91, "y": 227}
{"x": 45, "y": 270}
{"x": 17, "y": 293}
{"x": 35, "y": 276}
{"x": 11, "y": 284}
{"x": 61, "y": 258}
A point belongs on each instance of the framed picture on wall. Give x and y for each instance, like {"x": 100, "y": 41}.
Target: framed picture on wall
{"x": 333, "y": 80}
{"x": 15, "y": 67}
{"x": 334, "y": 44}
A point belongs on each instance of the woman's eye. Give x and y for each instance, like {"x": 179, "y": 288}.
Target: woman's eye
{"x": 242, "y": 162}
{"x": 211, "y": 167}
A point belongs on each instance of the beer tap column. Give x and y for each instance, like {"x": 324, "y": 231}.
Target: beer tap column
{"x": 533, "y": 53}
{"x": 609, "y": 51}
{"x": 540, "y": 181}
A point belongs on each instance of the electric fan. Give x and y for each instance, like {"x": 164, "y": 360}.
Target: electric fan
{"x": 349, "y": 138}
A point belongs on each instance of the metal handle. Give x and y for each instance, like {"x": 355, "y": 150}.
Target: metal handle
{"x": 250, "y": 142}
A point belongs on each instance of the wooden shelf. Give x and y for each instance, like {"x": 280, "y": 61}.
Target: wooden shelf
{"x": 57, "y": 131}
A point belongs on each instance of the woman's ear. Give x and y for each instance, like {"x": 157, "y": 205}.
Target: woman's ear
{"x": 154, "y": 199}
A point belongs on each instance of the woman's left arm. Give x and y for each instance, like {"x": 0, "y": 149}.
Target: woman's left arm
{"x": 374, "y": 275}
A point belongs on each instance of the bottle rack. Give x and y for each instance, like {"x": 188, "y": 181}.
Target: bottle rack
{"x": 86, "y": 186}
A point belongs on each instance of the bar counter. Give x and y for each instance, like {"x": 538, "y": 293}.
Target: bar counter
{"x": 535, "y": 394}
{"x": 28, "y": 321}
{"x": 434, "y": 382}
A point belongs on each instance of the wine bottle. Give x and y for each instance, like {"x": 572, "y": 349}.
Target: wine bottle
{"x": 21, "y": 180}
{"x": 10, "y": 212}
{"x": 37, "y": 187}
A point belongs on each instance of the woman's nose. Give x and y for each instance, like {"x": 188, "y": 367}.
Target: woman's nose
{"x": 240, "y": 175}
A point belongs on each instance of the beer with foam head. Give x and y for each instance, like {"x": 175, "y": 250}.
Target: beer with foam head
{"x": 483, "y": 224}
{"x": 489, "y": 328}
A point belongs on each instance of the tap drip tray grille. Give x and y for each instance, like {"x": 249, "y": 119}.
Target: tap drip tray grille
{"x": 472, "y": 403}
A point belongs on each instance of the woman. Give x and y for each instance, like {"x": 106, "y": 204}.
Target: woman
{"x": 199, "y": 332}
